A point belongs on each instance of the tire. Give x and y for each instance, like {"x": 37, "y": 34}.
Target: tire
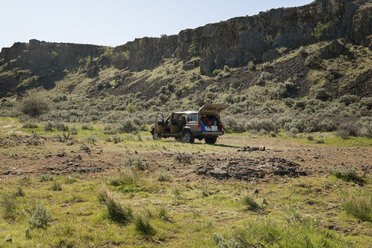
{"x": 187, "y": 137}
{"x": 211, "y": 140}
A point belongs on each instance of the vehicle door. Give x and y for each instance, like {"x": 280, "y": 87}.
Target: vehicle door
{"x": 160, "y": 126}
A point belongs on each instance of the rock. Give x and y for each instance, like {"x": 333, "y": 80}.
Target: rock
{"x": 8, "y": 238}
{"x": 207, "y": 66}
{"x": 334, "y": 49}
{"x": 248, "y": 169}
{"x": 262, "y": 148}
{"x": 270, "y": 55}
{"x": 189, "y": 65}
{"x": 92, "y": 71}
{"x": 361, "y": 22}
{"x": 219, "y": 173}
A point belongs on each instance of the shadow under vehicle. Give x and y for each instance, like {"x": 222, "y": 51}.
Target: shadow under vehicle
{"x": 190, "y": 125}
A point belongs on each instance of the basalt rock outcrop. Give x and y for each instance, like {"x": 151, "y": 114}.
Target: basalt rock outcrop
{"x": 38, "y": 63}
{"x": 234, "y": 43}
{"x": 239, "y": 40}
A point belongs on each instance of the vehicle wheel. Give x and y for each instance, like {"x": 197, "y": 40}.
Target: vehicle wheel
{"x": 211, "y": 140}
{"x": 155, "y": 136}
{"x": 187, "y": 137}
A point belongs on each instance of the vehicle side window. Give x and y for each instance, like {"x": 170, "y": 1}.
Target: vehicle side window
{"x": 160, "y": 118}
{"x": 192, "y": 118}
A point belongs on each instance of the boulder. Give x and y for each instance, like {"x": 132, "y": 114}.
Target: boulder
{"x": 334, "y": 49}
{"x": 270, "y": 55}
{"x": 189, "y": 65}
{"x": 207, "y": 66}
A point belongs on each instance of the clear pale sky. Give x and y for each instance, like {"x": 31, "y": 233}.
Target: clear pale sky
{"x": 114, "y": 22}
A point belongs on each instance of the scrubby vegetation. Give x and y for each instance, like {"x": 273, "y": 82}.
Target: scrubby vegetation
{"x": 40, "y": 217}
{"x": 124, "y": 193}
{"x": 266, "y": 232}
{"x": 346, "y": 174}
{"x": 359, "y": 206}
{"x": 34, "y": 104}
{"x": 269, "y": 101}
{"x": 116, "y": 211}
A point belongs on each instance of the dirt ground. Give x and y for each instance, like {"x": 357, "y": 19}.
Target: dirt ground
{"x": 233, "y": 157}
{"x": 202, "y": 191}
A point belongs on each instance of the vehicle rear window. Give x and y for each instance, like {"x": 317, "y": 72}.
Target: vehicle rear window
{"x": 192, "y": 117}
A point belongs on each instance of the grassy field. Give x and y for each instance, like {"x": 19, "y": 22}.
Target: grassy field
{"x": 145, "y": 196}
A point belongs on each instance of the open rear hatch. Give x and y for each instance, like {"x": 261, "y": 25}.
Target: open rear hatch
{"x": 212, "y": 108}
{"x": 210, "y": 121}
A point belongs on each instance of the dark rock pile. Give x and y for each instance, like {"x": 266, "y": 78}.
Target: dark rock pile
{"x": 251, "y": 149}
{"x": 248, "y": 169}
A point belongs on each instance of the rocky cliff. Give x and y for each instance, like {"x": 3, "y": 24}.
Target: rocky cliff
{"x": 239, "y": 40}
{"x": 33, "y": 64}
{"x": 234, "y": 43}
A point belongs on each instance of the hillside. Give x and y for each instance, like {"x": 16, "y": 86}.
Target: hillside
{"x": 312, "y": 62}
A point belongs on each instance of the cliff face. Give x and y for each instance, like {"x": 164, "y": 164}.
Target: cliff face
{"x": 234, "y": 43}
{"x": 239, "y": 40}
{"x": 33, "y": 64}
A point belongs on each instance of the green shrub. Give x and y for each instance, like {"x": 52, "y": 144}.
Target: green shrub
{"x": 349, "y": 99}
{"x": 85, "y": 148}
{"x": 347, "y": 129}
{"x": 128, "y": 127}
{"x": 117, "y": 139}
{"x": 18, "y": 192}
{"x": 233, "y": 124}
{"x": 221, "y": 242}
{"x": 73, "y": 130}
{"x": 346, "y": 174}
{"x": 250, "y": 203}
{"x": 320, "y": 30}
{"x": 267, "y": 125}
{"x": 30, "y": 125}
{"x": 313, "y": 61}
{"x": 366, "y": 102}
{"x": 183, "y": 157}
{"x": 56, "y": 186}
{"x": 127, "y": 176}
{"x": 34, "y": 104}
{"x": 296, "y": 232}
{"x": 143, "y": 226}
{"x": 61, "y": 127}
{"x": 264, "y": 77}
{"x": 39, "y": 217}
{"x": 116, "y": 211}
{"x": 285, "y": 90}
{"x": 359, "y": 207}
{"x": 364, "y": 126}
{"x": 46, "y": 178}
{"x": 164, "y": 177}
{"x": 109, "y": 129}
{"x": 163, "y": 215}
{"x": 131, "y": 108}
{"x": 135, "y": 163}
{"x": 322, "y": 95}
{"x": 48, "y": 126}
{"x": 9, "y": 205}
{"x": 86, "y": 127}
{"x": 91, "y": 139}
